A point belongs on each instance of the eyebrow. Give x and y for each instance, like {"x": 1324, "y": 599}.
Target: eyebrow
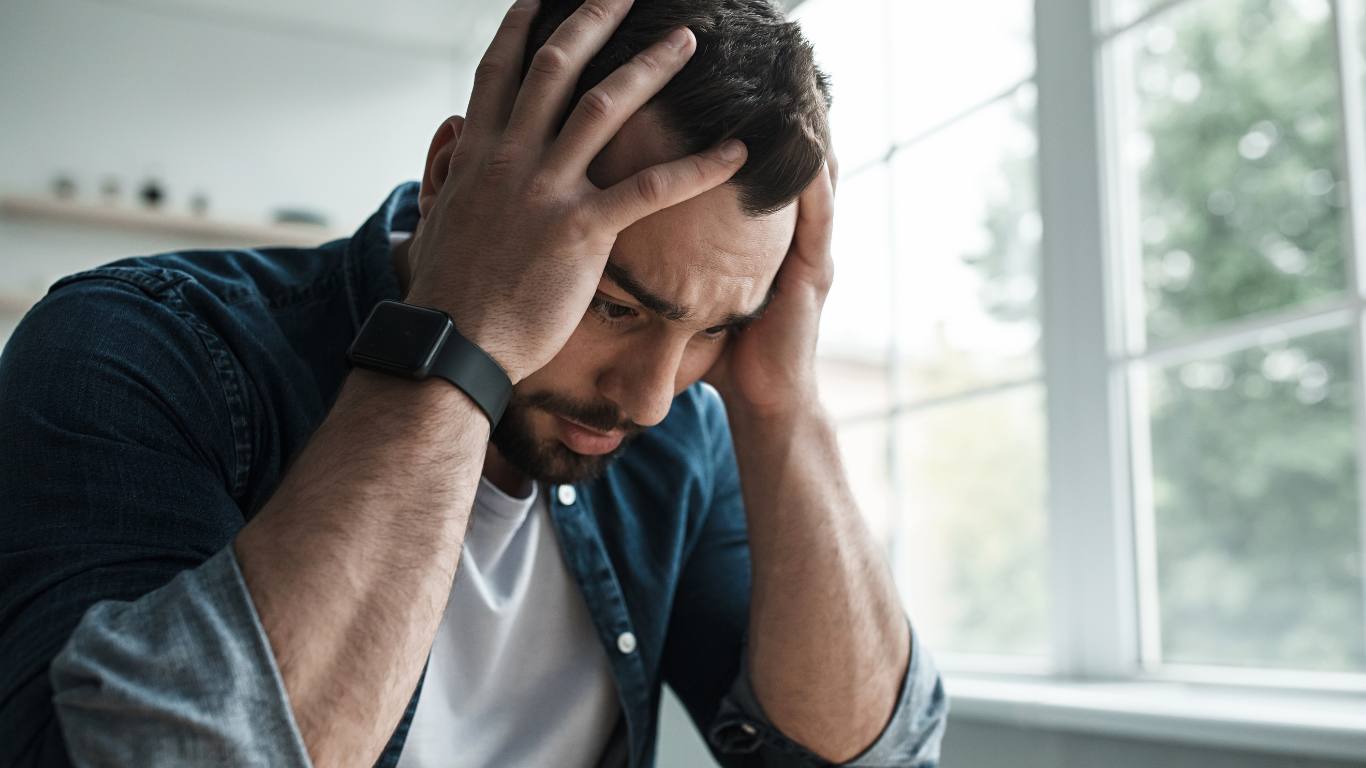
{"x": 676, "y": 312}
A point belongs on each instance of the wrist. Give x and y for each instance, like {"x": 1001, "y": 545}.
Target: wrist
{"x": 428, "y": 397}
{"x": 479, "y": 331}
{"x": 779, "y": 414}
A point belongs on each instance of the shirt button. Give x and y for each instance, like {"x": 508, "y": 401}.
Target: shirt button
{"x": 566, "y": 495}
{"x": 626, "y": 642}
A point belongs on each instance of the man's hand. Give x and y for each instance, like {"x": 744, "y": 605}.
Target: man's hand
{"x": 769, "y": 368}
{"x": 516, "y": 240}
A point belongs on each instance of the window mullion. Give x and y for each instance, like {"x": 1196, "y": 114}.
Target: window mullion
{"x": 1346, "y": 21}
{"x": 1090, "y": 530}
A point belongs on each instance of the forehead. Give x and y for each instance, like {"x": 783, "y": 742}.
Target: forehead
{"x": 705, "y": 252}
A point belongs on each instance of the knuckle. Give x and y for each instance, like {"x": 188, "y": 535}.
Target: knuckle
{"x": 580, "y": 222}
{"x": 499, "y": 160}
{"x": 551, "y": 61}
{"x": 595, "y": 12}
{"x": 649, "y": 61}
{"x": 489, "y": 69}
{"x": 541, "y": 185}
{"x": 700, "y": 168}
{"x": 651, "y": 185}
{"x": 596, "y": 104}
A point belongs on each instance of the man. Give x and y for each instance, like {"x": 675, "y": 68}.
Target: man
{"x": 222, "y": 545}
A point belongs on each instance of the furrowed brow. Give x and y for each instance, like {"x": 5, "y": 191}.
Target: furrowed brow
{"x": 742, "y": 319}
{"x": 671, "y": 311}
{"x": 656, "y": 304}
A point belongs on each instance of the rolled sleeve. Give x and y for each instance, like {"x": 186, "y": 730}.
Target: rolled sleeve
{"x": 183, "y": 675}
{"x": 911, "y": 737}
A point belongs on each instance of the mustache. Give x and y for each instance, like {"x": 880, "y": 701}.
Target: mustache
{"x": 603, "y": 417}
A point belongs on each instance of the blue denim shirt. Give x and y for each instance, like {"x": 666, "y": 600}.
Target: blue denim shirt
{"x": 148, "y": 410}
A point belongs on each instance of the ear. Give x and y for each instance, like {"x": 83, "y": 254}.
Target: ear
{"x": 439, "y": 154}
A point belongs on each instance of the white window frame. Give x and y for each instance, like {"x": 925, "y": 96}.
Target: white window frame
{"x": 1104, "y": 672}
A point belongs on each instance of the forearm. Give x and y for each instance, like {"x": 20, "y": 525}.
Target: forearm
{"x": 350, "y": 563}
{"x": 828, "y": 640}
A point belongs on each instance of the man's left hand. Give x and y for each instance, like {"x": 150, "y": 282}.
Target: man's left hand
{"x": 769, "y": 368}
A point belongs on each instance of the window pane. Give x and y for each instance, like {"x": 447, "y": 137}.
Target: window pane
{"x": 1235, "y": 143}
{"x": 1256, "y": 510}
{"x": 968, "y": 233}
{"x": 1121, "y": 12}
{"x": 856, "y": 322}
{"x": 857, "y": 63}
{"x": 974, "y": 569}
{"x": 949, "y": 56}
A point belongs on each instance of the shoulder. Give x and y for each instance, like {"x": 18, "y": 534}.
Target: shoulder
{"x": 273, "y": 277}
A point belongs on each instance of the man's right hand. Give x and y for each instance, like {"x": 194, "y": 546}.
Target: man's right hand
{"x": 515, "y": 239}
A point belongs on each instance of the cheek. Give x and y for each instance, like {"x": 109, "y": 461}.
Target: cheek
{"x": 699, "y": 358}
{"x": 589, "y": 349}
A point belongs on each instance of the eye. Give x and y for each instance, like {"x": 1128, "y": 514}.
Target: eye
{"x": 717, "y": 332}
{"x": 609, "y": 311}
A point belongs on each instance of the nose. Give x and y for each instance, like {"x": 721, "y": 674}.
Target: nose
{"x": 642, "y": 379}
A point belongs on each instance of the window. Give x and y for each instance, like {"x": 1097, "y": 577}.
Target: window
{"x": 1241, "y": 330}
{"x": 1095, "y": 342}
{"x": 930, "y": 345}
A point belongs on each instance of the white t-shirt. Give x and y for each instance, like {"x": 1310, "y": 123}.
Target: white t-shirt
{"x": 517, "y": 675}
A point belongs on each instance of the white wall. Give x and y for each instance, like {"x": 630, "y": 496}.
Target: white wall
{"x": 255, "y": 117}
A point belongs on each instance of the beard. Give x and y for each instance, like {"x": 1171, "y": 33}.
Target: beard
{"x": 545, "y": 458}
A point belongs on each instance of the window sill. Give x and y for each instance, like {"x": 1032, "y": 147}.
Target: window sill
{"x": 1313, "y": 725}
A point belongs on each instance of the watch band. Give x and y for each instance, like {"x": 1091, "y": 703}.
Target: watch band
{"x": 417, "y": 342}
{"x": 462, "y": 363}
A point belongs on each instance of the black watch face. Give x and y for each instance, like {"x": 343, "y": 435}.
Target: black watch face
{"x": 400, "y": 337}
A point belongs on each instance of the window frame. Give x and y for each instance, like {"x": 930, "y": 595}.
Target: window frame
{"x": 1095, "y": 357}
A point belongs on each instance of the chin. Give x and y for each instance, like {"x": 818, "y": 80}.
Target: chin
{"x": 540, "y": 455}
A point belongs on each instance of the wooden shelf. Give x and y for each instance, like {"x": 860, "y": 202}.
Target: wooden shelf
{"x": 158, "y": 222}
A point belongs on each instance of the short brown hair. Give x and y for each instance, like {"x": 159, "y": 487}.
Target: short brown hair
{"x": 753, "y": 77}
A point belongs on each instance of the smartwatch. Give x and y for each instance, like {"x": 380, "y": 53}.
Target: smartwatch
{"x": 417, "y": 342}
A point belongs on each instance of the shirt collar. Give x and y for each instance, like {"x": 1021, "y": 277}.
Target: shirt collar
{"x": 370, "y": 267}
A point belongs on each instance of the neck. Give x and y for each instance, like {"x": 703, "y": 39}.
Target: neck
{"x": 506, "y": 477}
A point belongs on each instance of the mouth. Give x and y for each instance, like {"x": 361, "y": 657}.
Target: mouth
{"x": 581, "y": 439}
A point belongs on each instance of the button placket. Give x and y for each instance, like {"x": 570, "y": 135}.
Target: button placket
{"x": 566, "y": 495}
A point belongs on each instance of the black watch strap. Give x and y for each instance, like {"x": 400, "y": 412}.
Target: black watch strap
{"x": 417, "y": 342}
{"x": 462, "y": 363}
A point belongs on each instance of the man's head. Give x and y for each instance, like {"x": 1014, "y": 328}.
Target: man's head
{"x": 753, "y": 78}
{"x": 678, "y": 283}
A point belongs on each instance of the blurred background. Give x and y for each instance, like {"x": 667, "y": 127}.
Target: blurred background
{"x": 1094, "y": 346}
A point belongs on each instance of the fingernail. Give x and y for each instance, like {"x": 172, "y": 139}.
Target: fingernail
{"x": 677, "y": 38}
{"x": 732, "y": 150}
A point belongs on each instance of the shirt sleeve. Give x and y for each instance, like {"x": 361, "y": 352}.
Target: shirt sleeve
{"x": 705, "y": 659}
{"x": 127, "y": 636}
{"x": 911, "y": 737}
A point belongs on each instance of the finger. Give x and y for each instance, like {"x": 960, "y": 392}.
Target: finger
{"x": 604, "y": 109}
{"x": 555, "y": 68}
{"x": 815, "y": 223}
{"x": 499, "y": 72}
{"x": 666, "y": 184}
